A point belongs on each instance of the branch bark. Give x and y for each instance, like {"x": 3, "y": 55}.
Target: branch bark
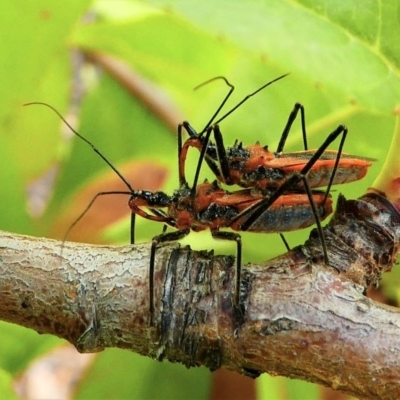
{"x": 299, "y": 318}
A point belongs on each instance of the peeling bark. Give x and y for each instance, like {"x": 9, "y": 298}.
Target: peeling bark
{"x": 298, "y": 317}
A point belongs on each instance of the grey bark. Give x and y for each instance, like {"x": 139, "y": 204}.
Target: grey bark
{"x": 297, "y": 318}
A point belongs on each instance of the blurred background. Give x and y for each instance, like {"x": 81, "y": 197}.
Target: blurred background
{"x": 122, "y": 73}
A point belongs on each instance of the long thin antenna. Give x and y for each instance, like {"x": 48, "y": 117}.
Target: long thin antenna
{"x": 210, "y": 128}
{"x": 232, "y": 88}
{"x": 247, "y": 97}
{"x": 85, "y": 140}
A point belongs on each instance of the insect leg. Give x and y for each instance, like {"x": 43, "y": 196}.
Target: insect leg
{"x": 181, "y": 163}
{"x": 89, "y": 206}
{"x": 285, "y": 242}
{"x": 222, "y": 171}
{"x": 197, "y": 138}
{"x": 257, "y": 209}
{"x": 234, "y": 237}
{"x": 163, "y": 238}
{"x": 221, "y": 153}
{"x": 341, "y": 130}
{"x": 133, "y": 220}
{"x": 293, "y": 115}
{"x": 168, "y": 220}
{"x": 204, "y": 147}
{"x": 194, "y": 141}
{"x": 317, "y": 220}
{"x": 289, "y": 183}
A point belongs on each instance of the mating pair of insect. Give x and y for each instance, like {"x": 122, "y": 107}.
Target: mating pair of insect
{"x": 279, "y": 188}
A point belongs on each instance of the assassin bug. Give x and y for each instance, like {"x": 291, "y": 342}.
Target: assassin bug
{"x": 213, "y": 208}
{"x": 256, "y": 166}
{"x": 208, "y": 206}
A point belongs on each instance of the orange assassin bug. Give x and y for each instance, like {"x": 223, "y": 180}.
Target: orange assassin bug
{"x": 256, "y": 166}
{"x": 213, "y": 208}
{"x": 208, "y": 206}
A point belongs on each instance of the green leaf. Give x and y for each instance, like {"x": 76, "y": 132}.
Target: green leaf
{"x": 6, "y": 386}
{"x": 135, "y": 41}
{"x": 348, "y": 48}
{"x": 34, "y": 65}
{"x": 19, "y": 346}
{"x": 120, "y": 374}
{"x": 332, "y": 95}
{"x": 122, "y": 129}
{"x": 344, "y": 63}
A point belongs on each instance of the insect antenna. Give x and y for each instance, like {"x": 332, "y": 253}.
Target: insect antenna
{"x": 248, "y": 97}
{"x": 232, "y": 88}
{"x": 88, "y": 208}
{"x": 85, "y": 140}
{"x": 97, "y": 151}
{"x": 209, "y": 128}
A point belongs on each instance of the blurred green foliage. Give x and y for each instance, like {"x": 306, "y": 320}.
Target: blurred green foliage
{"x": 344, "y": 63}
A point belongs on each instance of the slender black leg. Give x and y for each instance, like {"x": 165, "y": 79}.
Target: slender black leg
{"x": 292, "y": 116}
{"x": 222, "y": 157}
{"x": 90, "y": 205}
{"x": 343, "y": 130}
{"x": 190, "y": 130}
{"x": 317, "y": 220}
{"x": 163, "y": 238}
{"x": 234, "y": 237}
{"x": 182, "y": 178}
{"x": 133, "y": 220}
{"x": 285, "y": 242}
{"x": 257, "y": 209}
{"x": 222, "y": 170}
{"x": 193, "y": 134}
{"x": 206, "y": 141}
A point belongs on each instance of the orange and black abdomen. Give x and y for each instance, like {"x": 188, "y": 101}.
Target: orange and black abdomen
{"x": 288, "y": 213}
{"x": 350, "y": 168}
{"x": 255, "y": 166}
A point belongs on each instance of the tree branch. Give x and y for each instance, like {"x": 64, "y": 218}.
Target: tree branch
{"x": 298, "y": 318}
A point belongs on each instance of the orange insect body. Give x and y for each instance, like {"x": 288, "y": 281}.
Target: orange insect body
{"x": 214, "y": 208}
{"x": 277, "y": 197}
{"x": 256, "y": 166}
{"x": 266, "y": 170}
